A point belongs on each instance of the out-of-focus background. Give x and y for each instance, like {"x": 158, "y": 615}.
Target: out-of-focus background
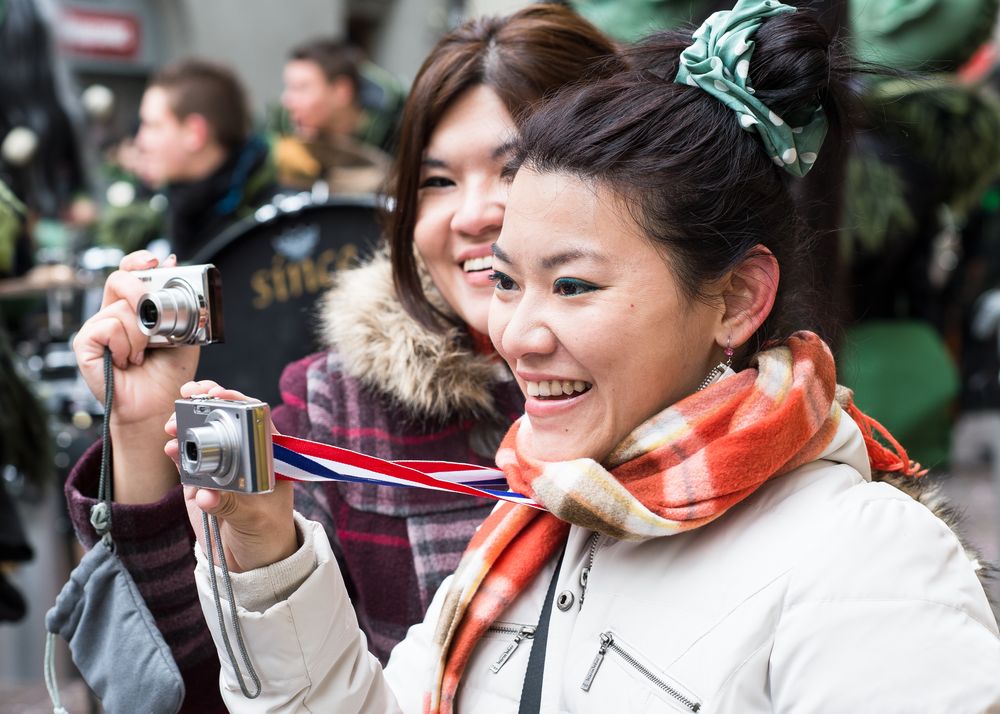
{"x": 909, "y": 221}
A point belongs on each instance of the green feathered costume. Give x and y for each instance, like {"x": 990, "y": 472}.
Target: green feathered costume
{"x": 929, "y": 150}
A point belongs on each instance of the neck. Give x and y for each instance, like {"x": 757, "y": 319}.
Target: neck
{"x": 206, "y": 162}
{"x": 481, "y": 343}
{"x": 343, "y": 122}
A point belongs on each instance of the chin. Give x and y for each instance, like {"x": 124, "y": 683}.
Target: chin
{"x": 475, "y": 312}
{"x": 558, "y": 447}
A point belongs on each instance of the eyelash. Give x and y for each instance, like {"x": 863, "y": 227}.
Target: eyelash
{"x": 581, "y": 286}
{"x": 436, "y": 182}
{"x": 496, "y": 277}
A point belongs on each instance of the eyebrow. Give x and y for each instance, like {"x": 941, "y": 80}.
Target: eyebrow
{"x": 558, "y": 259}
{"x": 497, "y": 153}
{"x": 433, "y": 163}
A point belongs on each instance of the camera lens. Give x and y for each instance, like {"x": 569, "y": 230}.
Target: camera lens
{"x": 149, "y": 314}
{"x": 172, "y": 312}
{"x": 213, "y": 449}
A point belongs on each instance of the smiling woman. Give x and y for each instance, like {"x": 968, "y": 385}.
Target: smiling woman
{"x": 576, "y": 281}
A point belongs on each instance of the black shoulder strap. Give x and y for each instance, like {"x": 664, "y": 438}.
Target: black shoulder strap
{"x": 531, "y": 690}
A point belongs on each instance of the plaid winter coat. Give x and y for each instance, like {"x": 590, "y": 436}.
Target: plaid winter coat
{"x": 385, "y": 387}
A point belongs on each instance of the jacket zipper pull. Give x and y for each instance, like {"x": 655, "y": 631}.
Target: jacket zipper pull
{"x": 584, "y": 577}
{"x": 606, "y": 640}
{"x": 509, "y": 649}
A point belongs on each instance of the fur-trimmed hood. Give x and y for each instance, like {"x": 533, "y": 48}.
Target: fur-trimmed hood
{"x": 430, "y": 375}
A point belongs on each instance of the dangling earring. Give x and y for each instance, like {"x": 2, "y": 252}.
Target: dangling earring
{"x": 719, "y": 369}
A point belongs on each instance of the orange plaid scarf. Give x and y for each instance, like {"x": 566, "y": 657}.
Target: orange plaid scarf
{"x": 683, "y": 468}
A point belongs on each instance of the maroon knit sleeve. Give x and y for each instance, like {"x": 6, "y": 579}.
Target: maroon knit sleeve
{"x": 156, "y": 545}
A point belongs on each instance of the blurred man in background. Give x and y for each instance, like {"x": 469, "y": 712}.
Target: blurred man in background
{"x": 337, "y": 138}
{"x": 195, "y": 144}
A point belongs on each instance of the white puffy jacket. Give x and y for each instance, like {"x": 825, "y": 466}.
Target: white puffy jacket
{"x": 822, "y": 592}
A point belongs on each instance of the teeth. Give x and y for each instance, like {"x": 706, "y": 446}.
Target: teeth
{"x": 556, "y": 388}
{"x": 484, "y": 263}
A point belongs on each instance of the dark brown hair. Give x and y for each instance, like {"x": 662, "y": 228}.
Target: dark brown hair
{"x": 522, "y": 57}
{"x": 212, "y": 91}
{"x": 699, "y": 185}
{"x": 334, "y": 57}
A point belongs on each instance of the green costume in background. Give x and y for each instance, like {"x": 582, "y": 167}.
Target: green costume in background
{"x": 929, "y": 150}
{"x": 629, "y": 20}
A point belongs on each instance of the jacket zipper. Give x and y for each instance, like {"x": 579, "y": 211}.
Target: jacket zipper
{"x": 608, "y": 643}
{"x": 520, "y": 632}
{"x": 585, "y": 573}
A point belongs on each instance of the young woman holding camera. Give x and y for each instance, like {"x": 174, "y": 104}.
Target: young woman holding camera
{"x": 717, "y": 537}
{"x": 409, "y": 373}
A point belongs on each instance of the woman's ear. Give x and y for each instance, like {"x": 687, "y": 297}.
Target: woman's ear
{"x": 748, "y": 294}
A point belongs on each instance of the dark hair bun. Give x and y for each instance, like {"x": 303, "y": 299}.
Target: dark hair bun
{"x": 793, "y": 68}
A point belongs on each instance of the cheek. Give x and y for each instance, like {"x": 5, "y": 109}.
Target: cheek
{"x": 497, "y": 320}
{"x": 430, "y": 231}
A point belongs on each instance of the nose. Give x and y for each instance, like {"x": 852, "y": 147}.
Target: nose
{"x": 522, "y": 330}
{"x": 480, "y": 212}
{"x": 142, "y": 137}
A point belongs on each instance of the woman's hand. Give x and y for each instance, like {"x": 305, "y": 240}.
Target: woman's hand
{"x": 146, "y": 383}
{"x": 257, "y": 529}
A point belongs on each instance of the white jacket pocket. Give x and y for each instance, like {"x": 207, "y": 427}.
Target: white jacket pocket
{"x": 620, "y": 678}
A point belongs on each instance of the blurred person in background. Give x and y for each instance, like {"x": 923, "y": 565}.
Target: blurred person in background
{"x": 39, "y": 150}
{"x": 407, "y": 372}
{"x": 322, "y": 96}
{"x": 195, "y": 144}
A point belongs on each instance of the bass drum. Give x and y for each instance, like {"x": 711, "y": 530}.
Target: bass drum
{"x": 274, "y": 266}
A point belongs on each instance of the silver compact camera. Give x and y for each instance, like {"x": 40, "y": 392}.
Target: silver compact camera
{"x": 181, "y": 306}
{"x": 225, "y": 444}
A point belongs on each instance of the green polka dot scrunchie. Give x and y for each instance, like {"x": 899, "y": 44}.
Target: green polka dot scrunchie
{"x": 718, "y": 62}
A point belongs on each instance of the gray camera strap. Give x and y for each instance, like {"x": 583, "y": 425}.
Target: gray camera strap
{"x": 205, "y": 520}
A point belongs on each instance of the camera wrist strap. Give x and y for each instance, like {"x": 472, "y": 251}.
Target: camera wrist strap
{"x": 303, "y": 460}
{"x": 209, "y": 548}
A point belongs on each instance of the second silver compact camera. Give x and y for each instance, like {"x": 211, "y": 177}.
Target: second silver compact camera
{"x": 181, "y": 306}
{"x": 225, "y": 444}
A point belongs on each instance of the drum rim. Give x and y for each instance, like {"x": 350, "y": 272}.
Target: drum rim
{"x": 237, "y": 229}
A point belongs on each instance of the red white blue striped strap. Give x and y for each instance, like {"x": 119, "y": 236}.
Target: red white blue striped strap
{"x": 304, "y": 460}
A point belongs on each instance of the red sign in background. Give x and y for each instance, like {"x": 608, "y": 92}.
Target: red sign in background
{"x": 113, "y": 35}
